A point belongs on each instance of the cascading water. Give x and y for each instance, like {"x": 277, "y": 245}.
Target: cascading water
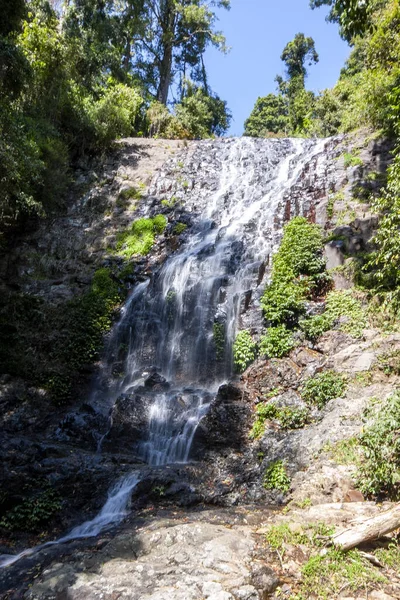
{"x": 235, "y": 197}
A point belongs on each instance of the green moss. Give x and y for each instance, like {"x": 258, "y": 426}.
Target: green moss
{"x": 139, "y": 239}
{"x": 170, "y": 203}
{"x": 179, "y": 228}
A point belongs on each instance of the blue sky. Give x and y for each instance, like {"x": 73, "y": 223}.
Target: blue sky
{"x": 257, "y": 31}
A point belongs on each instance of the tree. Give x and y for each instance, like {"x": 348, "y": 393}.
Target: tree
{"x": 295, "y": 55}
{"x": 176, "y": 36}
{"x": 353, "y": 16}
{"x": 289, "y": 111}
{"x": 269, "y": 115}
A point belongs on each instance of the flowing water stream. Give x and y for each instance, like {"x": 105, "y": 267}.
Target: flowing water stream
{"x": 236, "y": 201}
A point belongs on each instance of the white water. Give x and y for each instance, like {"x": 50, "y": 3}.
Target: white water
{"x": 167, "y": 322}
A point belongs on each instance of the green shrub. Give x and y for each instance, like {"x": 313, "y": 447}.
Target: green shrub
{"x": 351, "y": 160}
{"x": 276, "y": 477}
{"x": 298, "y": 270}
{"x": 293, "y": 418}
{"x": 314, "y": 327}
{"x": 343, "y": 304}
{"x": 244, "y": 350}
{"x": 32, "y": 513}
{"x": 277, "y": 342}
{"x": 321, "y": 388}
{"x": 114, "y": 114}
{"x": 379, "y": 473}
{"x": 287, "y": 417}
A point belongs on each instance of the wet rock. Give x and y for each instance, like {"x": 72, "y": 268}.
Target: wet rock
{"x": 156, "y": 382}
{"x": 129, "y": 420}
{"x": 227, "y": 422}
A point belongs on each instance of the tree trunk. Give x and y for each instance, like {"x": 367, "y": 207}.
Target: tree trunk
{"x": 372, "y": 529}
{"x": 168, "y": 24}
{"x": 165, "y": 75}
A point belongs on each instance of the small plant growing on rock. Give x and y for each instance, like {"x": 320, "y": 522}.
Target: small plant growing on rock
{"x": 379, "y": 472}
{"x": 277, "y": 342}
{"x": 179, "y": 228}
{"x": 315, "y": 326}
{"x": 276, "y": 477}
{"x": 244, "y": 350}
{"x": 219, "y": 340}
{"x": 321, "y": 388}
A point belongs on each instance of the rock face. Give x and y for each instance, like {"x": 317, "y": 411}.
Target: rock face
{"x": 207, "y": 559}
{"x": 226, "y": 422}
{"x": 165, "y": 561}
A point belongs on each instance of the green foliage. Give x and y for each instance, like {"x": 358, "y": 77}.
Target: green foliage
{"x": 179, "y": 228}
{"x": 354, "y": 17}
{"x": 329, "y": 573}
{"x": 341, "y": 307}
{"x": 219, "y": 340}
{"x": 315, "y": 326}
{"x": 351, "y": 160}
{"x": 139, "y": 239}
{"x": 198, "y": 115}
{"x": 277, "y": 342}
{"x": 269, "y": 116}
{"x": 379, "y": 473}
{"x": 343, "y": 304}
{"x": 284, "y": 534}
{"x": 31, "y": 514}
{"x": 345, "y": 452}
{"x": 276, "y": 477}
{"x": 321, "y": 388}
{"x": 244, "y": 350}
{"x": 287, "y": 417}
{"x": 298, "y": 271}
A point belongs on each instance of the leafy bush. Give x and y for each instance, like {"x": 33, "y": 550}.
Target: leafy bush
{"x": 277, "y": 342}
{"x": 287, "y": 417}
{"x": 315, "y": 326}
{"x": 276, "y": 477}
{"x": 114, "y": 114}
{"x": 298, "y": 271}
{"x": 379, "y": 473}
{"x": 244, "y": 350}
{"x": 321, "y": 388}
{"x": 33, "y": 512}
{"x": 343, "y": 304}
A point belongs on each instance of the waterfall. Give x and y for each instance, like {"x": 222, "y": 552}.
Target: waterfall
{"x": 236, "y": 198}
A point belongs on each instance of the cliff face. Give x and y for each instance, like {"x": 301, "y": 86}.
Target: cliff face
{"x": 223, "y": 205}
